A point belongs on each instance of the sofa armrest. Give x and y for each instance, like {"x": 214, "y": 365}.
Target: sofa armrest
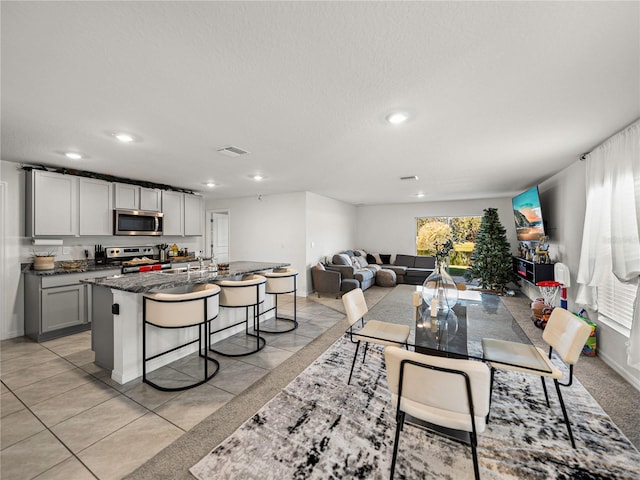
{"x": 347, "y": 271}
{"x": 326, "y": 281}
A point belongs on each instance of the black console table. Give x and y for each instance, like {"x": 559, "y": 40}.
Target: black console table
{"x": 532, "y": 272}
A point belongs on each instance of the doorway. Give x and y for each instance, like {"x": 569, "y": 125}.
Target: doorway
{"x": 217, "y": 235}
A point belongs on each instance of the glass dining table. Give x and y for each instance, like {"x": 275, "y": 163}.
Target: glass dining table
{"x": 457, "y": 332}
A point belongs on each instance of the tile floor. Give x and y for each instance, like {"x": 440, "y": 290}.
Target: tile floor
{"x": 62, "y": 417}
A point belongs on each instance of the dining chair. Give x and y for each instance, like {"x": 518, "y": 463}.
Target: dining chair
{"x": 457, "y": 396}
{"x": 565, "y": 333}
{"x": 373, "y": 331}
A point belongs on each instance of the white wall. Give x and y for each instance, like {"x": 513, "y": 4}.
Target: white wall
{"x": 269, "y": 229}
{"x": 392, "y": 228}
{"x": 331, "y": 227}
{"x": 12, "y": 314}
{"x": 563, "y": 199}
{"x": 18, "y": 248}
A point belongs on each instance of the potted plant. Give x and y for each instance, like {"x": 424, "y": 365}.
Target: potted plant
{"x": 44, "y": 260}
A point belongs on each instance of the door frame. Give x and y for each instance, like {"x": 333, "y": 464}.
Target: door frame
{"x": 207, "y": 233}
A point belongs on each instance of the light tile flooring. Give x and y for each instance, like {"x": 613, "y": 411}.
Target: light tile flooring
{"x": 62, "y": 417}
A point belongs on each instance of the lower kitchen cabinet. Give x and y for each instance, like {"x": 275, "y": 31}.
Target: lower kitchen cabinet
{"x": 57, "y": 305}
{"x": 63, "y": 307}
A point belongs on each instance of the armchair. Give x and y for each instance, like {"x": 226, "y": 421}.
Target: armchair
{"x": 331, "y": 281}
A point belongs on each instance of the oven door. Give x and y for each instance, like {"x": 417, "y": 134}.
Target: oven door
{"x": 136, "y": 222}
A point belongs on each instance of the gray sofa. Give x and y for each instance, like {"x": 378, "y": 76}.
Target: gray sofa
{"x": 416, "y": 268}
{"x": 357, "y": 264}
{"x": 349, "y": 269}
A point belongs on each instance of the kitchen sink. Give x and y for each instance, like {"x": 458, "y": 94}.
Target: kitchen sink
{"x": 182, "y": 270}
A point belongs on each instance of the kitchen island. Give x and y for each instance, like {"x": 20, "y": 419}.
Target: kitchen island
{"x": 116, "y": 329}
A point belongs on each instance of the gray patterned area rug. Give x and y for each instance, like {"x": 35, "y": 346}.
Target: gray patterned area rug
{"x": 318, "y": 427}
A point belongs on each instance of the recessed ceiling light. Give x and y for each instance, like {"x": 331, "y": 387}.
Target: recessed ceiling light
{"x": 397, "y": 118}
{"x": 210, "y": 184}
{"x": 124, "y": 137}
{"x": 257, "y": 178}
{"x": 73, "y": 155}
{"x": 420, "y": 195}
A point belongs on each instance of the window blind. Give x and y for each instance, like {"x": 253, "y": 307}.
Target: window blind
{"x": 615, "y": 303}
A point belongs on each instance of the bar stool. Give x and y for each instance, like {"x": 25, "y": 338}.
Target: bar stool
{"x": 280, "y": 282}
{"x": 245, "y": 293}
{"x": 176, "y": 311}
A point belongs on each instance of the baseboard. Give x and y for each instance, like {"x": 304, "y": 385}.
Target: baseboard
{"x": 634, "y": 382}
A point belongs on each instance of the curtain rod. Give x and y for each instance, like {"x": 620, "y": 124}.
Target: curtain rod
{"x": 585, "y": 155}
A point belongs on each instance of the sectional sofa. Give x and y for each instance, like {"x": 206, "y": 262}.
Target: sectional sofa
{"x": 357, "y": 268}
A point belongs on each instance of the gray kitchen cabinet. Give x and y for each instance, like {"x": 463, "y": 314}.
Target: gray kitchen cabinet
{"x": 96, "y": 207}
{"x": 193, "y": 215}
{"x": 51, "y": 204}
{"x": 135, "y": 197}
{"x": 173, "y": 209}
{"x": 58, "y": 305}
{"x": 126, "y": 196}
{"x": 150, "y": 199}
{"x": 63, "y": 307}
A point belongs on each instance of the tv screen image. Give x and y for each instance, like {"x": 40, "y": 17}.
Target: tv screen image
{"x": 528, "y": 215}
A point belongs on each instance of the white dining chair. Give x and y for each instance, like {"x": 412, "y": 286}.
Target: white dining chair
{"x": 446, "y": 392}
{"x": 373, "y": 331}
{"x": 565, "y": 333}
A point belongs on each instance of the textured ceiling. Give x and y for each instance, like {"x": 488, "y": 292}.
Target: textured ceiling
{"x": 502, "y": 94}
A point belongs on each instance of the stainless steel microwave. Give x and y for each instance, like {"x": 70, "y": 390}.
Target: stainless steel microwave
{"x": 137, "y": 222}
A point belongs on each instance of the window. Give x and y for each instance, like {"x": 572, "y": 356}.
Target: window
{"x": 615, "y": 304}
{"x": 432, "y": 231}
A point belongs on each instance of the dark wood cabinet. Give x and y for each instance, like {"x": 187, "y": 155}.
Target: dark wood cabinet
{"x": 532, "y": 272}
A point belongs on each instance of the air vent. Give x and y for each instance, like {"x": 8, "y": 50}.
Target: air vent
{"x": 232, "y": 151}
{"x": 410, "y": 177}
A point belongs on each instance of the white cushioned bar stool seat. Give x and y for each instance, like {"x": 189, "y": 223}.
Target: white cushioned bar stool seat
{"x": 181, "y": 311}
{"x": 246, "y": 293}
{"x": 281, "y": 282}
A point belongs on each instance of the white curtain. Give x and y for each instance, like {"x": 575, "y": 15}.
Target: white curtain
{"x": 611, "y": 236}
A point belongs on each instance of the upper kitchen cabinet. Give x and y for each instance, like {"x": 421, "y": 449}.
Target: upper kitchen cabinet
{"x": 173, "y": 209}
{"x": 193, "y": 215}
{"x": 96, "y": 207}
{"x": 134, "y": 197}
{"x": 150, "y": 199}
{"x": 51, "y": 204}
{"x": 183, "y": 214}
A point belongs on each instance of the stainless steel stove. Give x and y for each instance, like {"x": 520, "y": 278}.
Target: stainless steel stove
{"x": 117, "y": 255}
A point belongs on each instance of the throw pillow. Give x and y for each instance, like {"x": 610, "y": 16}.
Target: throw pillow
{"x": 362, "y": 262}
{"x": 341, "y": 259}
{"x": 361, "y": 253}
{"x": 378, "y": 259}
{"x": 371, "y": 259}
{"x": 320, "y": 266}
{"x": 386, "y": 259}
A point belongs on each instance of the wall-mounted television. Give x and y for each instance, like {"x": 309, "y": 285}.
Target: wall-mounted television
{"x": 528, "y": 216}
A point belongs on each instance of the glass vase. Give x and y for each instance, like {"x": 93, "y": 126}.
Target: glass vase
{"x": 439, "y": 291}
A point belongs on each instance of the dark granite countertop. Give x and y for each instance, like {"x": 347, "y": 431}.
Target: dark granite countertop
{"x": 88, "y": 266}
{"x": 58, "y": 270}
{"x": 157, "y": 280}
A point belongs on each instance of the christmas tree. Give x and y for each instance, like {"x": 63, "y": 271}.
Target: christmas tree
{"x": 491, "y": 260}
